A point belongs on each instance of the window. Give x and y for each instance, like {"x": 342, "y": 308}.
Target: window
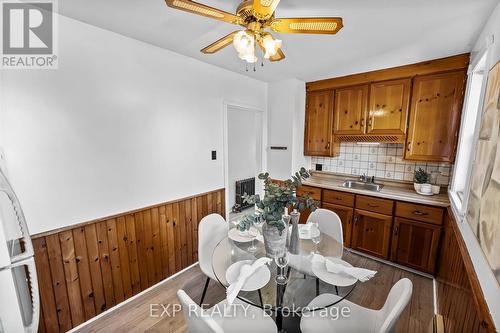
{"x": 468, "y": 138}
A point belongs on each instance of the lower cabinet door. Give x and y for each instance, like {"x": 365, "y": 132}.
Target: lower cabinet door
{"x": 304, "y": 215}
{"x": 345, "y": 214}
{"x": 415, "y": 244}
{"x": 371, "y": 233}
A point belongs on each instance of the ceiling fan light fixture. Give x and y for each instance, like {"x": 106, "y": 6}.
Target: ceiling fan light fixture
{"x": 257, "y": 16}
{"x": 250, "y": 57}
{"x": 270, "y": 45}
{"x": 244, "y": 41}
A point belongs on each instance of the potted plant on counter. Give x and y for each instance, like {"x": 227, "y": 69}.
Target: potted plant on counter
{"x": 421, "y": 181}
{"x": 278, "y": 198}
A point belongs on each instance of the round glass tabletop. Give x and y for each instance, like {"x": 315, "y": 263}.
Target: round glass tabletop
{"x": 302, "y": 286}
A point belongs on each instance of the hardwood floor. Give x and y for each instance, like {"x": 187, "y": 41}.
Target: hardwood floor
{"x": 135, "y": 316}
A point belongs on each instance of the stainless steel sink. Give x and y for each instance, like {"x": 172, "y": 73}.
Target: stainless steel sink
{"x": 362, "y": 185}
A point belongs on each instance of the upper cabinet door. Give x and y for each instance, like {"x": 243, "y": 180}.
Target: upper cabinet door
{"x": 389, "y": 102}
{"x": 435, "y": 117}
{"x": 318, "y": 136}
{"x": 351, "y": 105}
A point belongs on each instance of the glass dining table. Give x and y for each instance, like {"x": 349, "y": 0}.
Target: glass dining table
{"x": 283, "y": 300}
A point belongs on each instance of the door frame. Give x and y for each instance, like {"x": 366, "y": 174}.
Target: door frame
{"x": 263, "y": 144}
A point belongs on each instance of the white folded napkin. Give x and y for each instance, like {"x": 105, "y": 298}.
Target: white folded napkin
{"x": 301, "y": 263}
{"x": 245, "y": 272}
{"x": 362, "y": 274}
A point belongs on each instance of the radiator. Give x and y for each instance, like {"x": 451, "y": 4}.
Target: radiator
{"x": 245, "y": 186}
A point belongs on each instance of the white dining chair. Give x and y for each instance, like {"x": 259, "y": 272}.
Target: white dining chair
{"x": 222, "y": 318}
{"x": 360, "y": 319}
{"x": 328, "y": 223}
{"x": 211, "y": 230}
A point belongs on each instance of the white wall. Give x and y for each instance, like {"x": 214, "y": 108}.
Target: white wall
{"x": 120, "y": 125}
{"x": 286, "y": 105}
{"x": 244, "y": 147}
{"x": 492, "y": 27}
{"x": 486, "y": 278}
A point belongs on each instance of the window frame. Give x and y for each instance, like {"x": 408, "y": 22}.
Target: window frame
{"x": 459, "y": 201}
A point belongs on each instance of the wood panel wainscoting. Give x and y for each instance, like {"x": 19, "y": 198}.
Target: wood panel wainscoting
{"x": 460, "y": 300}
{"x": 88, "y": 268}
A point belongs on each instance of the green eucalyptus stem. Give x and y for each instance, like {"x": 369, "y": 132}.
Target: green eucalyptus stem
{"x": 276, "y": 198}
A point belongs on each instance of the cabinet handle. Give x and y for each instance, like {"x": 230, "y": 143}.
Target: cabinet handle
{"x": 338, "y": 198}
{"x": 419, "y": 213}
{"x": 408, "y": 146}
{"x": 328, "y": 145}
{"x": 355, "y": 220}
{"x": 370, "y": 122}
{"x": 396, "y": 231}
{"x": 362, "y": 122}
{"x": 372, "y": 205}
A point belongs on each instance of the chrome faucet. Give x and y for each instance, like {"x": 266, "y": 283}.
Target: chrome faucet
{"x": 365, "y": 179}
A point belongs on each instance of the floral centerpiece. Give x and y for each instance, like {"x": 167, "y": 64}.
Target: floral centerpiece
{"x": 278, "y": 198}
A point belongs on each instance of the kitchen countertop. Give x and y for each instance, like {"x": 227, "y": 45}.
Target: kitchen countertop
{"x": 394, "y": 190}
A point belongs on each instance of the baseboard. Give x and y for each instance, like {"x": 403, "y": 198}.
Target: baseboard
{"x": 128, "y": 300}
{"x": 434, "y": 295}
{"x": 438, "y": 324}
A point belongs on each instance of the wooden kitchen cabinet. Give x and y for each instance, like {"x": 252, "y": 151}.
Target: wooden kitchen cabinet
{"x": 314, "y": 193}
{"x": 415, "y": 244}
{"x": 318, "y": 135}
{"x": 345, "y": 214}
{"x": 388, "y": 108}
{"x": 351, "y": 105}
{"x": 418, "y": 105}
{"x": 371, "y": 233}
{"x": 435, "y": 117}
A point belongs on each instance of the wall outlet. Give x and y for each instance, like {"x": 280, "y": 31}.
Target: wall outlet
{"x": 214, "y": 155}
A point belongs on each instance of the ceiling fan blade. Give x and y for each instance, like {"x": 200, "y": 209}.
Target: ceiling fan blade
{"x": 307, "y": 25}
{"x": 219, "y": 44}
{"x": 264, "y": 9}
{"x": 203, "y": 10}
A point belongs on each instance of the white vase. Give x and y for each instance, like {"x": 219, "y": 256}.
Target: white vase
{"x": 274, "y": 240}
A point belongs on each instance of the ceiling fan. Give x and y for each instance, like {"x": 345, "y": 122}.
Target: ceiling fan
{"x": 257, "y": 16}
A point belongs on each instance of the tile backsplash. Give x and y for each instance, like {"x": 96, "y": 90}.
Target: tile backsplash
{"x": 382, "y": 161}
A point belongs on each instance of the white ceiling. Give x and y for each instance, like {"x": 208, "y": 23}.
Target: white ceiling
{"x": 376, "y": 33}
